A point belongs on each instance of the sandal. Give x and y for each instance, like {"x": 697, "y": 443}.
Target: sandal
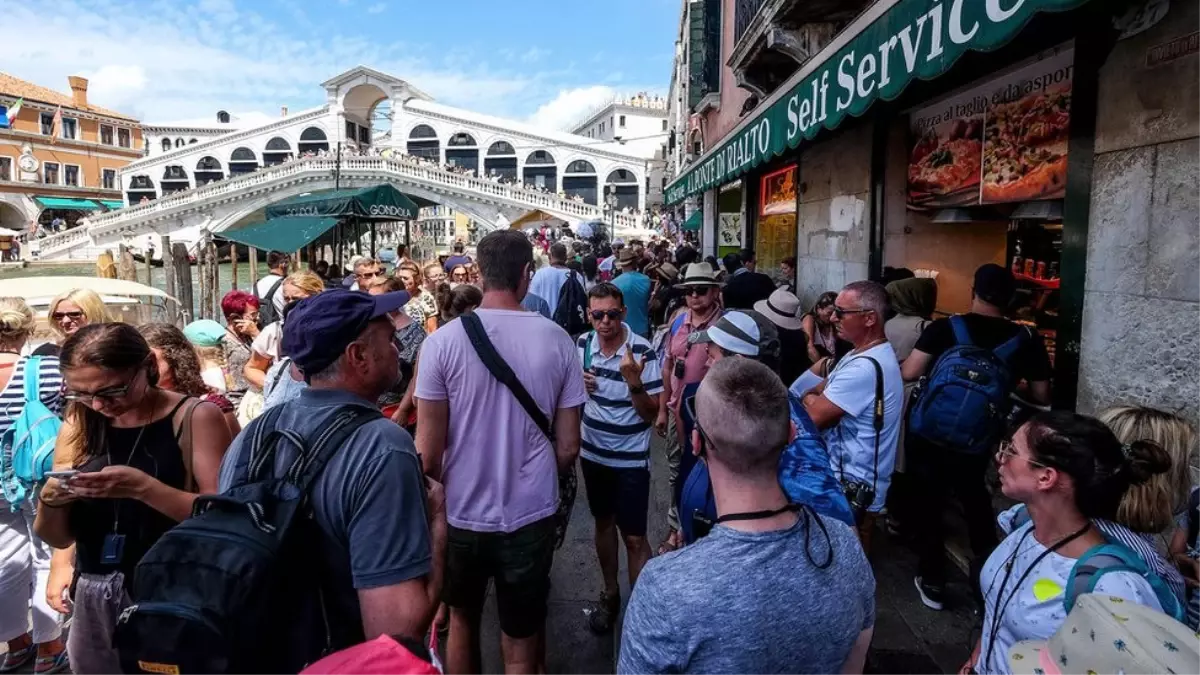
{"x": 14, "y": 661}
{"x": 672, "y": 542}
{"x": 57, "y": 663}
{"x": 604, "y": 616}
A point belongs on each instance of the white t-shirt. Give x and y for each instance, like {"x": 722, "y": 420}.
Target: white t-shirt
{"x": 1037, "y": 609}
{"x": 267, "y": 342}
{"x": 851, "y": 387}
{"x": 546, "y": 284}
{"x": 264, "y": 286}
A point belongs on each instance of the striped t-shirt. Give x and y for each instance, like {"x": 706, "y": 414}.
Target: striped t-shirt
{"x": 50, "y": 390}
{"x": 613, "y": 433}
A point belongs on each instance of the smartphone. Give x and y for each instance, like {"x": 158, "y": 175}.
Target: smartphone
{"x": 67, "y": 474}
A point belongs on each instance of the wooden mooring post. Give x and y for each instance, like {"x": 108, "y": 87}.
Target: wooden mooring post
{"x": 126, "y": 268}
{"x": 169, "y": 278}
{"x": 253, "y": 269}
{"x": 214, "y": 272}
{"x": 233, "y": 266}
{"x": 183, "y": 280}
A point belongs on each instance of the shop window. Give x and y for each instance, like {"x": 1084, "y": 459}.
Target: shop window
{"x": 106, "y": 134}
{"x": 622, "y": 118}
{"x": 70, "y": 128}
{"x": 123, "y": 138}
{"x": 50, "y": 173}
{"x": 47, "y": 120}
{"x": 5, "y": 168}
{"x": 109, "y": 179}
{"x": 71, "y": 175}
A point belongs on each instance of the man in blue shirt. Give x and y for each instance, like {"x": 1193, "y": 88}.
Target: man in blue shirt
{"x": 635, "y": 286}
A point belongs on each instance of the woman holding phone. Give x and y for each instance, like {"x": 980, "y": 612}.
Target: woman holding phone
{"x": 141, "y": 455}
{"x": 24, "y": 557}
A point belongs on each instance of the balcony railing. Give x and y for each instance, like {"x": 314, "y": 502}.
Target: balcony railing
{"x": 744, "y": 12}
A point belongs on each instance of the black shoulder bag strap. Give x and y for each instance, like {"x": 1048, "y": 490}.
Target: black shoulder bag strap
{"x": 878, "y": 421}
{"x": 502, "y": 372}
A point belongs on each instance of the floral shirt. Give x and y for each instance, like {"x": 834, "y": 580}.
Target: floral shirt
{"x": 422, "y": 307}
{"x": 237, "y": 353}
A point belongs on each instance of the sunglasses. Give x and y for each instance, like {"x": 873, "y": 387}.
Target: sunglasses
{"x": 108, "y": 395}
{"x": 612, "y": 314}
{"x": 369, "y": 275}
{"x": 1007, "y": 451}
{"x": 74, "y": 316}
{"x": 696, "y": 290}
{"x": 840, "y": 312}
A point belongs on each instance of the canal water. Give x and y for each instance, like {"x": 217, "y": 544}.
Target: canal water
{"x": 157, "y": 276}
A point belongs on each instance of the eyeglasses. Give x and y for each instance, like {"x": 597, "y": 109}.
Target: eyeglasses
{"x": 108, "y": 395}
{"x": 612, "y": 314}
{"x": 696, "y": 290}
{"x": 74, "y": 316}
{"x": 1007, "y": 451}
{"x": 840, "y": 312}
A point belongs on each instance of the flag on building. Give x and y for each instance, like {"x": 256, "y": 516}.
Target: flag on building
{"x": 56, "y": 125}
{"x": 6, "y": 120}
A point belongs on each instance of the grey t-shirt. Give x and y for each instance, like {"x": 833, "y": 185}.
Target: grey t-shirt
{"x": 741, "y": 602}
{"x": 369, "y": 501}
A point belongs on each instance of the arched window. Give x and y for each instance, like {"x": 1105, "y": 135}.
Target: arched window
{"x": 539, "y": 157}
{"x": 422, "y": 131}
{"x": 623, "y": 176}
{"x": 277, "y": 152}
{"x": 222, "y": 117}
{"x": 580, "y": 166}
{"x": 313, "y": 139}
{"x": 174, "y": 172}
{"x": 208, "y": 170}
{"x": 174, "y": 179}
{"x": 179, "y": 142}
{"x": 579, "y": 180}
{"x": 423, "y": 142}
{"x": 624, "y": 185}
{"x": 501, "y": 148}
{"x": 541, "y": 171}
{"x": 461, "y": 139}
{"x": 193, "y": 142}
{"x": 242, "y": 160}
{"x": 141, "y": 183}
{"x": 141, "y": 187}
{"x": 166, "y": 145}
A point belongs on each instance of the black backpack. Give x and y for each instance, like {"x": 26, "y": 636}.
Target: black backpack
{"x": 267, "y": 313}
{"x": 238, "y": 587}
{"x": 571, "y": 312}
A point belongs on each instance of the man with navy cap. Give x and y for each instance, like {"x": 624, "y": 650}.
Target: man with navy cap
{"x": 383, "y": 537}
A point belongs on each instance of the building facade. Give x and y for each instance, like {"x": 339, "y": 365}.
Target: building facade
{"x": 867, "y": 143}
{"x": 60, "y": 156}
{"x": 161, "y": 138}
{"x": 637, "y": 122}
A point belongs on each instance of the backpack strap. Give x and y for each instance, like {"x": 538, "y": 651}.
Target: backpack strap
{"x": 332, "y": 436}
{"x": 1006, "y": 351}
{"x": 502, "y": 372}
{"x": 878, "y": 415}
{"x": 184, "y": 436}
{"x": 1111, "y": 557}
{"x": 587, "y": 351}
{"x": 961, "y": 335}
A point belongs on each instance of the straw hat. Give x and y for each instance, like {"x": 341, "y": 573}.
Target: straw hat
{"x": 1105, "y": 634}
{"x": 782, "y": 308}
{"x": 668, "y": 271}
{"x": 699, "y": 274}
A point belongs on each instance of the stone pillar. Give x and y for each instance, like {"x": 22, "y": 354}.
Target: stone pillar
{"x": 708, "y": 228}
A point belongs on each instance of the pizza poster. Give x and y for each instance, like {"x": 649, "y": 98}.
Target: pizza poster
{"x": 1003, "y": 141}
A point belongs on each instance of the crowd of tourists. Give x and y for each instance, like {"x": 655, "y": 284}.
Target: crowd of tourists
{"x": 330, "y": 479}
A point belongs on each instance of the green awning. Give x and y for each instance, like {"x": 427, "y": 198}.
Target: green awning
{"x": 67, "y": 203}
{"x": 873, "y": 58}
{"x": 694, "y": 221}
{"x": 111, "y": 204}
{"x": 286, "y": 234}
{"x": 382, "y": 202}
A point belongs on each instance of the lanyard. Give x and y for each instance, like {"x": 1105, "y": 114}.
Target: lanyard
{"x": 758, "y": 515}
{"x": 1008, "y": 568}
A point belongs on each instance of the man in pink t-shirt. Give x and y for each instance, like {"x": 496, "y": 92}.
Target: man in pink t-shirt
{"x": 499, "y": 469}
{"x": 684, "y": 364}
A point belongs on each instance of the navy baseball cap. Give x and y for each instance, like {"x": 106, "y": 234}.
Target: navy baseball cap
{"x": 318, "y": 329}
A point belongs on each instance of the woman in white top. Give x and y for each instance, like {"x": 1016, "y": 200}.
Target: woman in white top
{"x": 24, "y": 557}
{"x": 1067, "y": 469}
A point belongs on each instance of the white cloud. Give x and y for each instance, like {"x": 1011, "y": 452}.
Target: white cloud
{"x": 570, "y": 105}
{"x": 377, "y": 8}
{"x": 186, "y": 59}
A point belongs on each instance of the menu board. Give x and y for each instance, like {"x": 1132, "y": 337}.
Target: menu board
{"x": 776, "y": 231}
{"x": 1003, "y": 141}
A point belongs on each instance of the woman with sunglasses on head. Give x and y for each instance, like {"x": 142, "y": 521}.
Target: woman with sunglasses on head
{"x": 68, "y": 313}
{"x": 459, "y": 275}
{"x": 422, "y": 305}
{"x": 818, "y": 327}
{"x": 1067, "y": 469}
{"x": 264, "y": 350}
{"x": 179, "y": 369}
{"x": 24, "y": 557}
{"x": 140, "y": 455}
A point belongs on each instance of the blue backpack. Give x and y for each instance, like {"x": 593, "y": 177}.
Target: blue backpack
{"x": 1112, "y": 557}
{"x": 963, "y": 403}
{"x": 27, "y": 448}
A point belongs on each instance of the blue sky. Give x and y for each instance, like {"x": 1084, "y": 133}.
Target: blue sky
{"x": 544, "y": 61}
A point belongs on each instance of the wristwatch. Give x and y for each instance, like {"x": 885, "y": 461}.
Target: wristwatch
{"x": 637, "y": 390}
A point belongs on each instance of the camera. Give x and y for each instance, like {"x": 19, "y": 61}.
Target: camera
{"x": 860, "y": 495}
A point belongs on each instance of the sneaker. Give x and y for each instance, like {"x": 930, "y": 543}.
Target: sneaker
{"x": 931, "y": 596}
{"x": 15, "y": 660}
{"x": 604, "y": 616}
